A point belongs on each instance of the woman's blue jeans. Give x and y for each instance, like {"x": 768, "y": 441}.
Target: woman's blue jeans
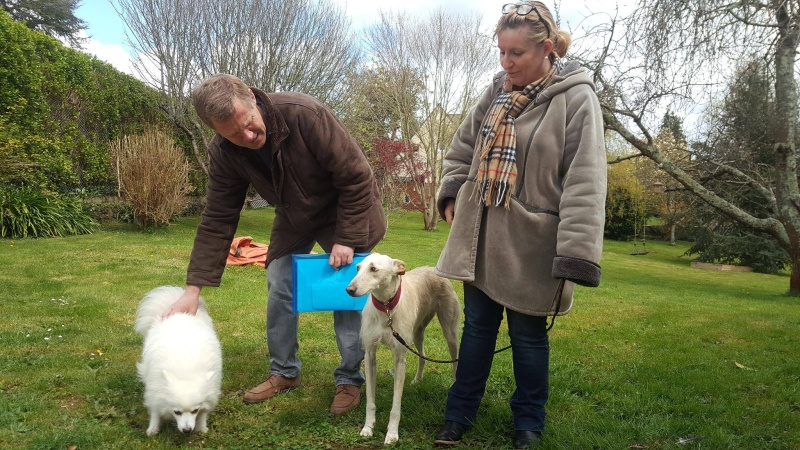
{"x": 530, "y": 354}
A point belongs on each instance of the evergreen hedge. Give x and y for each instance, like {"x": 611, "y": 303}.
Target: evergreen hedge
{"x": 59, "y": 109}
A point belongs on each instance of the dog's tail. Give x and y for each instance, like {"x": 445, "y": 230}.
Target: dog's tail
{"x": 154, "y": 304}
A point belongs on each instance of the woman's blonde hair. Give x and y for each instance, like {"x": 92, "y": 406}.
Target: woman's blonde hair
{"x": 540, "y": 26}
{"x": 214, "y": 98}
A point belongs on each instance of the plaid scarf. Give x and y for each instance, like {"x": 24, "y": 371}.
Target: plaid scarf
{"x": 497, "y": 174}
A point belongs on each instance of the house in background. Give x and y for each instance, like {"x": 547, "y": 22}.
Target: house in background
{"x": 422, "y": 172}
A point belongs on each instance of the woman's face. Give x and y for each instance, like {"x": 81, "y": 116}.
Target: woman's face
{"x": 523, "y": 61}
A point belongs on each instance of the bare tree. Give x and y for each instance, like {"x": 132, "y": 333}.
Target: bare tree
{"x": 166, "y": 34}
{"x": 370, "y": 115}
{"x": 275, "y": 45}
{"x": 453, "y": 58}
{"x": 674, "y": 54}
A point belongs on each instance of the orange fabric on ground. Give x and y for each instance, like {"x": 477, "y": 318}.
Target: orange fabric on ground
{"x": 244, "y": 251}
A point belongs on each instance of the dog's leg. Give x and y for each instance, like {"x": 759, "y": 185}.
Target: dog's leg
{"x": 155, "y": 423}
{"x": 419, "y": 342}
{"x": 200, "y": 424}
{"x": 370, "y": 364}
{"x": 449, "y": 322}
{"x": 392, "y": 434}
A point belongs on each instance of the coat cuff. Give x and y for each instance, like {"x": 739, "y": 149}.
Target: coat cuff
{"x": 579, "y": 271}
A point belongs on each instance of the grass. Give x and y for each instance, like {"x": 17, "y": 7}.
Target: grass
{"x": 657, "y": 353}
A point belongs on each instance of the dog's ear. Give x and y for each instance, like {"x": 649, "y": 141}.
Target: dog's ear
{"x": 399, "y": 267}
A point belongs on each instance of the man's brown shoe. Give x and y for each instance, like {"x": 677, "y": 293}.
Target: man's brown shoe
{"x": 269, "y": 388}
{"x": 347, "y": 397}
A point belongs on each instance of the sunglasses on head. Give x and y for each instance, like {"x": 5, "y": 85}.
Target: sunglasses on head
{"x": 523, "y": 9}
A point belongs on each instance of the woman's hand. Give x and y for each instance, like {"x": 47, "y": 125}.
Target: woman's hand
{"x": 450, "y": 210}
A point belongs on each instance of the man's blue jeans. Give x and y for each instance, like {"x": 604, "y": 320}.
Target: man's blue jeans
{"x": 530, "y": 354}
{"x": 282, "y": 328}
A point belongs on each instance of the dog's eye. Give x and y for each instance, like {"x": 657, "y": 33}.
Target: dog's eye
{"x": 373, "y": 269}
{"x": 194, "y": 411}
{"x": 178, "y": 413}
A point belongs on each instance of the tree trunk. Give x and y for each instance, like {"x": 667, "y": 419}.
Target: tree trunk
{"x": 787, "y": 190}
{"x": 430, "y": 213}
{"x": 794, "y": 280}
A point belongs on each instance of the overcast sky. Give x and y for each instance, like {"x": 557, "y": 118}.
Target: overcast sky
{"x": 107, "y": 31}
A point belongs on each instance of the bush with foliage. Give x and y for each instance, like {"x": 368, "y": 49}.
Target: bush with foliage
{"x": 721, "y": 240}
{"x": 742, "y": 247}
{"x": 153, "y": 174}
{"x": 625, "y": 203}
{"x": 111, "y": 210}
{"x": 59, "y": 108}
{"x": 401, "y": 173}
{"x": 30, "y": 212}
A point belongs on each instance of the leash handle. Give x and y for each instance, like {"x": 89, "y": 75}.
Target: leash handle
{"x": 557, "y": 301}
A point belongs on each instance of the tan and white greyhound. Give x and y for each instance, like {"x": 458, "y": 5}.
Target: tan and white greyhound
{"x": 403, "y": 303}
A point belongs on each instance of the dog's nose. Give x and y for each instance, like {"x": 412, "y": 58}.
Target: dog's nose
{"x": 186, "y": 430}
{"x": 351, "y": 290}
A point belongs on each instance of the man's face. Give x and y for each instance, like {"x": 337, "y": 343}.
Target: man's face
{"x": 245, "y": 128}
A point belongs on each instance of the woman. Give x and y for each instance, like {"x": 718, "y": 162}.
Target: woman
{"x": 524, "y": 187}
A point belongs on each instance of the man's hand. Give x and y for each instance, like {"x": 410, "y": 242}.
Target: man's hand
{"x": 450, "y": 210}
{"x": 340, "y": 255}
{"x": 187, "y": 303}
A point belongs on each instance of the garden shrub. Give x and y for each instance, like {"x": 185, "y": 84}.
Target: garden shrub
{"x": 625, "y": 203}
{"x": 111, "y": 210}
{"x": 31, "y": 212}
{"x": 726, "y": 242}
{"x": 153, "y": 174}
{"x": 194, "y": 206}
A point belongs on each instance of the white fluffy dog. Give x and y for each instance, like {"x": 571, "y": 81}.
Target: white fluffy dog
{"x": 181, "y": 365}
{"x": 411, "y": 299}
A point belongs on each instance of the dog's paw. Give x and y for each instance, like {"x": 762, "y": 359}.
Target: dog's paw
{"x": 152, "y": 430}
{"x": 391, "y": 438}
{"x": 201, "y": 429}
{"x": 366, "y": 431}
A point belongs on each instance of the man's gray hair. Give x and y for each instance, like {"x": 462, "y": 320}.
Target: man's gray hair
{"x": 214, "y": 98}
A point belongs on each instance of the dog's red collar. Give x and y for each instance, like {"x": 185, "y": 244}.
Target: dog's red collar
{"x": 386, "y": 307}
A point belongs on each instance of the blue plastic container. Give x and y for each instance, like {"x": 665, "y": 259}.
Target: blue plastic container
{"x": 316, "y": 286}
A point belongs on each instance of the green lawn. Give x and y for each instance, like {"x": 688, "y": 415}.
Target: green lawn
{"x": 657, "y": 353}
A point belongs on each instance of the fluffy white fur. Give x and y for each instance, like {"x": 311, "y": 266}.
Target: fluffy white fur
{"x": 423, "y": 295}
{"x": 181, "y": 365}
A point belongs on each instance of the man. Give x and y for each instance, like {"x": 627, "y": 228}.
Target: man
{"x": 300, "y": 158}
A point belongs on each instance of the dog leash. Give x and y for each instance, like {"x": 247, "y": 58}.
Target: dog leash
{"x": 412, "y": 350}
{"x": 389, "y": 306}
